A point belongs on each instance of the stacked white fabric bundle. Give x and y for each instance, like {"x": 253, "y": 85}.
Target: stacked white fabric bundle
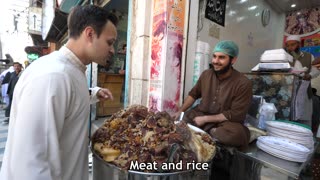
{"x": 283, "y": 148}
{"x": 293, "y": 132}
{"x": 276, "y": 56}
{"x": 274, "y": 60}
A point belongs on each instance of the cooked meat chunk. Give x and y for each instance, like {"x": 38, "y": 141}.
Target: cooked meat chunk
{"x": 135, "y": 134}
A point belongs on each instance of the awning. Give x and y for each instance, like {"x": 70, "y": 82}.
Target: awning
{"x": 58, "y": 27}
{"x": 38, "y": 41}
{"x": 66, "y": 5}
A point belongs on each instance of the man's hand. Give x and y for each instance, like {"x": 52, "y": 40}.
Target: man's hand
{"x": 122, "y": 72}
{"x": 317, "y": 66}
{"x": 176, "y": 115}
{"x": 104, "y": 94}
{"x": 307, "y": 77}
{"x": 200, "y": 120}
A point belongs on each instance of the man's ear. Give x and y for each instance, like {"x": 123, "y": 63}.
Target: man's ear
{"x": 88, "y": 32}
{"x": 234, "y": 60}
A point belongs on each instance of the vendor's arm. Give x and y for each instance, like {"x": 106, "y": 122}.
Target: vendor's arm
{"x": 314, "y": 72}
{"x": 99, "y": 94}
{"x": 186, "y": 105}
{"x": 202, "y": 120}
{"x": 194, "y": 94}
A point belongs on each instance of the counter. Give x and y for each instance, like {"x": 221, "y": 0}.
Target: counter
{"x": 251, "y": 163}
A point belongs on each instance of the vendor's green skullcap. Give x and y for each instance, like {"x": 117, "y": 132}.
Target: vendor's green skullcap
{"x": 227, "y": 47}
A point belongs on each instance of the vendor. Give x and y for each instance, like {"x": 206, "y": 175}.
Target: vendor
{"x": 226, "y": 96}
{"x": 303, "y": 59}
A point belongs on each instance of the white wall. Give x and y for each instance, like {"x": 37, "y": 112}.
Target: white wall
{"x": 245, "y": 28}
{"x": 241, "y": 25}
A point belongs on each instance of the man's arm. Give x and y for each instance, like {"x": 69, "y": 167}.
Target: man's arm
{"x": 186, "y": 105}
{"x": 314, "y": 71}
{"x": 202, "y": 120}
{"x": 317, "y": 66}
{"x": 194, "y": 94}
{"x": 99, "y": 94}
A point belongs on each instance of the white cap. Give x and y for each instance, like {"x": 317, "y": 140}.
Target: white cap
{"x": 293, "y": 38}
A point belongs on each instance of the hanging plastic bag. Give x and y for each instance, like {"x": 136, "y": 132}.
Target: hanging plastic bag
{"x": 266, "y": 113}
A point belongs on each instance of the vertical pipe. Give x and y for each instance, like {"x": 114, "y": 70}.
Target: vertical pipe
{"x": 90, "y": 85}
{"x": 190, "y": 46}
{"x": 128, "y": 63}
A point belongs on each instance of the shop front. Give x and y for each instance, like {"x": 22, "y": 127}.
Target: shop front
{"x": 161, "y": 51}
{"x": 256, "y": 28}
{"x": 151, "y": 82}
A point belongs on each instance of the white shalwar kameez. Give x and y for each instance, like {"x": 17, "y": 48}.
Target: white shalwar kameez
{"x": 307, "y": 104}
{"x": 48, "y": 130}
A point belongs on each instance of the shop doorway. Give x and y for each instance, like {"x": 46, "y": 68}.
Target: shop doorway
{"x": 113, "y": 75}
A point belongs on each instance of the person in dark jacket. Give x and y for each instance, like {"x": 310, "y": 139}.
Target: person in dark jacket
{"x": 12, "y": 83}
{"x": 5, "y": 77}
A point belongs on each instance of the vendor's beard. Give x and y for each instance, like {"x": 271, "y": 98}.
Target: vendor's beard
{"x": 224, "y": 70}
{"x": 295, "y": 53}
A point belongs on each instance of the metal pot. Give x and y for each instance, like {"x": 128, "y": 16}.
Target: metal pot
{"x": 107, "y": 171}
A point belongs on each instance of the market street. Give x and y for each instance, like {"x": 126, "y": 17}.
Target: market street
{"x": 3, "y": 133}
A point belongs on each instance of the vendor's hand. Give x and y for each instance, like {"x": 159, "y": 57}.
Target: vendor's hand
{"x": 317, "y": 66}
{"x": 176, "y": 115}
{"x": 307, "y": 77}
{"x": 122, "y": 71}
{"x": 104, "y": 94}
{"x": 200, "y": 120}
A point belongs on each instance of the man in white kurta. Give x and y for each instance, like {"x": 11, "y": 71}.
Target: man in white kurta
{"x": 48, "y": 130}
{"x": 303, "y": 61}
{"x": 48, "y": 105}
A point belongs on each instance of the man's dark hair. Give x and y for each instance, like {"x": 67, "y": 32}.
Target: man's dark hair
{"x": 81, "y": 17}
{"x": 17, "y": 63}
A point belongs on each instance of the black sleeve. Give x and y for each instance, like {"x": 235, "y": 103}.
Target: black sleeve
{"x": 6, "y": 78}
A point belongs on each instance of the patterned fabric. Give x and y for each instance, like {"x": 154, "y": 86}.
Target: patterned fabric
{"x": 275, "y": 88}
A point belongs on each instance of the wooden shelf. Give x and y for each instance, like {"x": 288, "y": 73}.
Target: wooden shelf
{"x": 114, "y": 83}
